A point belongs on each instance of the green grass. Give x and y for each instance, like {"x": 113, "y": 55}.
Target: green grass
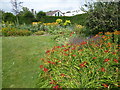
{"x": 0, "y": 62}
{"x": 21, "y": 59}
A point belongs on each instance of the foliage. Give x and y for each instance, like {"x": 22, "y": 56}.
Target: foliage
{"x": 78, "y": 19}
{"x": 84, "y": 65}
{"x": 26, "y": 16}
{"x": 78, "y": 29}
{"x": 15, "y": 32}
{"x": 102, "y": 17}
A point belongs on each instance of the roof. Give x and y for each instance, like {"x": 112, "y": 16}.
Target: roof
{"x": 52, "y": 12}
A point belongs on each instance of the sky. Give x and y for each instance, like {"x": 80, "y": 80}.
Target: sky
{"x": 45, "y": 5}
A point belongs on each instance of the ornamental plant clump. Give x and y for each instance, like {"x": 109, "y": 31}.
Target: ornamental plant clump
{"x": 84, "y": 65}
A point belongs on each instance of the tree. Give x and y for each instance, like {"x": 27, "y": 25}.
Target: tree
{"x": 16, "y": 6}
{"x": 102, "y": 17}
{"x": 40, "y": 15}
{"x": 1, "y": 13}
{"x": 8, "y": 17}
{"x": 28, "y": 17}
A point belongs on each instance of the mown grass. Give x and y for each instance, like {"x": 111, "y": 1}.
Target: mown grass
{"x": 21, "y": 59}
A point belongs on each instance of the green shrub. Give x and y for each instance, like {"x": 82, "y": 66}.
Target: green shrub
{"x": 39, "y": 33}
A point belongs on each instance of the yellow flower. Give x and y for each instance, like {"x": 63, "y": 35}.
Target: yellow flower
{"x": 59, "y": 21}
{"x": 117, "y": 32}
{"x": 34, "y": 23}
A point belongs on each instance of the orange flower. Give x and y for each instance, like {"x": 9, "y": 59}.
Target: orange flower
{"x": 108, "y": 33}
{"x": 117, "y": 32}
{"x": 105, "y": 85}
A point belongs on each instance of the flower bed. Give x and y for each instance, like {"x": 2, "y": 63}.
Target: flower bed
{"x": 88, "y": 64}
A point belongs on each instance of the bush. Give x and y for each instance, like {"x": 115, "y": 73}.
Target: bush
{"x": 84, "y": 65}
{"x": 15, "y": 32}
{"x": 39, "y": 33}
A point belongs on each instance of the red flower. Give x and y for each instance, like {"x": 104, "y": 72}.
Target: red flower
{"x": 114, "y": 53}
{"x": 63, "y": 46}
{"x": 65, "y": 54}
{"x": 45, "y": 69}
{"x": 106, "y": 51}
{"x": 105, "y": 85}
{"x": 66, "y": 50}
{"x": 62, "y": 75}
{"x": 94, "y": 57}
{"x": 52, "y": 62}
{"x": 83, "y": 64}
{"x": 52, "y": 82}
{"x": 73, "y": 55}
{"x": 49, "y": 61}
{"x": 103, "y": 69}
{"x": 56, "y": 87}
{"x": 83, "y": 43}
{"x": 115, "y": 60}
{"x": 106, "y": 60}
{"x": 73, "y": 48}
{"x": 58, "y": 47}
{"x": 47, "y": 51}
{"x": 41, "y": 66}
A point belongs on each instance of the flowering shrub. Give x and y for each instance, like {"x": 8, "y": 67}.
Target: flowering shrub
{"x": 59, "y": 21}
{"x": 78, "y": 28}
{"x": 84, "y": 65}
{"x": 15, "y": 32}
{"x": 36, "y": 23}
{"x": 67, "y": 23}
{"x": 39, "y": 33}
{"x": 54, "y": 23}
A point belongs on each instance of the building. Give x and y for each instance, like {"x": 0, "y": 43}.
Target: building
{"x": 72, "y": 13}
{"x": 54, "y": 13}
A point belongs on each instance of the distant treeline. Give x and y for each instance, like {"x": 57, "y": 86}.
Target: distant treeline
{"x": 29, "y": 18}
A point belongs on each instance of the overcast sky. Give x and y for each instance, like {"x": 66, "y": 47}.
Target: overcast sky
{"x": 45, "y": 5}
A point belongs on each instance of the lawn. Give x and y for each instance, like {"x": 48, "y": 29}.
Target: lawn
{"x": 21, "y": 59}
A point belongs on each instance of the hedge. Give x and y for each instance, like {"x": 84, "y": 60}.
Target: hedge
{"x": 78, "y": 19}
